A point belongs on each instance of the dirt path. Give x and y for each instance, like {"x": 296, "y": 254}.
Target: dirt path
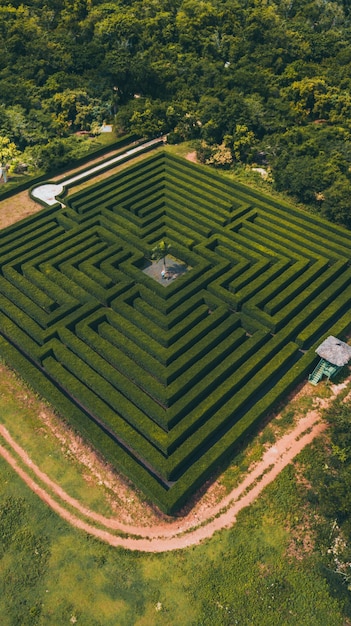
{"x": 177, "y": 535}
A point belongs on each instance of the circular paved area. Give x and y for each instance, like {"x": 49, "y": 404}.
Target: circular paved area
{"x": 47, "y": 193}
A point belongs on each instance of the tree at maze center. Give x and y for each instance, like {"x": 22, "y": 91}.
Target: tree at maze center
{"x": 160, "y": 252}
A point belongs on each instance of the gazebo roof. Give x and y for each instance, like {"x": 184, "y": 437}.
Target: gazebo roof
{"x": 335, "y": 351}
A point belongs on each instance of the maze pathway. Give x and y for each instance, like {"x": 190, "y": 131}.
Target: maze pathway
{"x": 164, "y": 381}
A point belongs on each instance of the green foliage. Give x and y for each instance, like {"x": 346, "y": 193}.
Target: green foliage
{"x": 8, "y": 151}
{"x": 333, "y": 484}
{"x": 160, "y": 252}
{"x": 251, "y": 83}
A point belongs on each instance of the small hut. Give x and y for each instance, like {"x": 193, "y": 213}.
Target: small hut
{"x": 334, "y": 355}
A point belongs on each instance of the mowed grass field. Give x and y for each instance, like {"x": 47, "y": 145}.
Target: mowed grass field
{"x": 266, "y": 570}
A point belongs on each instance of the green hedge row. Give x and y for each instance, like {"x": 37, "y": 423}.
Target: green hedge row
{"x": 207, "y": 207}
{"x": 139, "y": 224}
{"x": 190, "y": 219}
{"x": 201, "y": 185}
{"x": 189, "y": 389}
{"x": 217, "y": 342}
{"x": 333, "y": 278}
{"x": 155, "y": 363}
{"x": 224, "y": 382}
{"x": 28, "y": 231}
{"x": 329, "y": 315}
{"x": 21, "y": 337}
{"x": 223, "y": 287}
{"x": 91, "y": 286}
{"x": 129, "y": 368}
{"x": 99, "y": 396}
{"x": 130, "y": 199}
{"x": 210, "y": 213}
{"x": 296, "y": 287}
{"x": 149, "y": 207}
{"x": 224, "y": 339}
{"x": 223, "y": 448}
{"x": 126, "y": 382}
{"x": 206, "y": 435}
{"x": 166, "y": 322}
{"x": 289, "y": 249}
{"x": 305, "y": 227}
{"x": 193, "y": 408}
{"x": 26, "y": 307}
{"x": 131, "y": 371}
{"x": 28, "y": 250}
{"x": 298, "y": 236}
{"x": 62, "y": 248}
{"x": 241, "y": 250}
{"x": 268, "y": 292}
{"x": 170, "y": 335}
{"x": 147, "y": 335}
{"x": 104, "y": 406}
{"x": 39, "y": 333}
{"x": 265, "y": 279}
{"x": 109, "y": 339}
{"x": 118, "y": 187}
{"x": 308, "y": 303}
{"x": 28, "y": 289}
{"x": 22, "y": 320}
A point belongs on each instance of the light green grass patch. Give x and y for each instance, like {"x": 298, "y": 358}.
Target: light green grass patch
{"x": 242, "y": 574}
{"x": 20, "y": 411}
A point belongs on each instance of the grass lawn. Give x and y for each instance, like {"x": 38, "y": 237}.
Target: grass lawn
{"x": 265, "y": 570}
{"x": 259, "y": 572}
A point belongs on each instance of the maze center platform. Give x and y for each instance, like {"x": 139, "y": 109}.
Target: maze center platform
{"x": 165, "y": 273}
{"x": 164, "y": 382}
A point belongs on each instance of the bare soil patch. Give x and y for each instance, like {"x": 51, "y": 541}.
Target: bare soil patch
{"x": 191, "y": 156}
{"x": 17, "y": 208}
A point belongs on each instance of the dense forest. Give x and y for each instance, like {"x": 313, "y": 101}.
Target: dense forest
{"x": 251, "y": 81}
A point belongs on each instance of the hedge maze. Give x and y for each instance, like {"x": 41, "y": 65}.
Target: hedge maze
{"x": 164, "y": 381}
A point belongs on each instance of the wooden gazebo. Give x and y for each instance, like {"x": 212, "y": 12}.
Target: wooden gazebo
{"x": 334, "y": 355}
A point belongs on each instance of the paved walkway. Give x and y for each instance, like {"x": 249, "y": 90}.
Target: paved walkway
{"x": 48, "y": 192}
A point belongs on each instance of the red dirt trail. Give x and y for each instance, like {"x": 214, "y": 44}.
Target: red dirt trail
{"x": 174, "y": 536}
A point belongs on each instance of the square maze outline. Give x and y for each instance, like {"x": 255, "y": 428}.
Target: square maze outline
{"x": 167, "y": 375}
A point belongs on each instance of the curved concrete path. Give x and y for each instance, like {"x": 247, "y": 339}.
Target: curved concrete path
{"x": 47, "y": 192}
